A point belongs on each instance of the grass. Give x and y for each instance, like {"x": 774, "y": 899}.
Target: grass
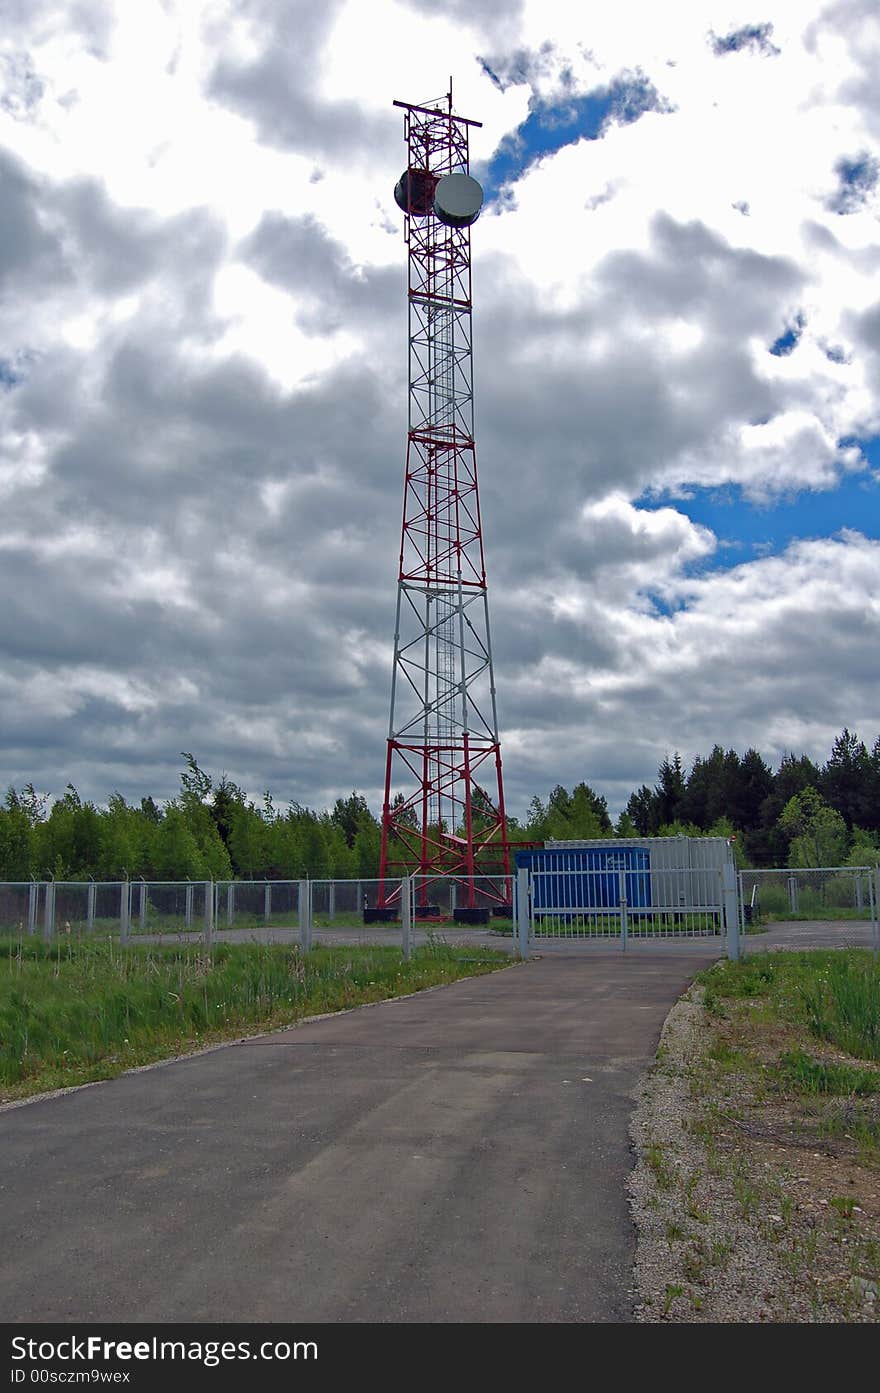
{"x": 843, "y": 1005}
{"x": 785, "y": 1087}
{"x": 809, "y": 1075}
{"x": 672, "y": 1293}
{"x": 656, "y": 1161}
{"x": 835, "y": 900}
{"x": 170, "y": 924}
{"x": 75, "y": 1011}
{"x": 640, "y": 924}
{"x": 834, "y": 993}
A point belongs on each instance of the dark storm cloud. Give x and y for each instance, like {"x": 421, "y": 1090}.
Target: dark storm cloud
{"x": 149, "y": 555}
{"x": 693, "y": 269}
{"x": 164, "y": 436}
{"x": 161, "y": 464}
{"x": 30, "y": 254}
{"x": 619, "y": 418}
{"x": 277, "y": 90}
{"x": 867, "y": 328}
{"x": 483, "y": 13}
{"x": 299, "y": 255}
{"x": 117, "y": 249}
{"x": 267, "y": 651}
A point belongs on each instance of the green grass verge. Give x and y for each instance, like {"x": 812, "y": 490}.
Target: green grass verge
{"x": 834, "y": 993}
{"x": 831, "y": 916}
{"x": 74, "y": 1012}
{"x": 808, "y": 1075}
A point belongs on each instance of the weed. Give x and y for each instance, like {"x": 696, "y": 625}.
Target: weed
{"x": 673, "y": 1292}
{"x": 712, "y": 1003}
{"x": 747, "y": 1196}
{"x": 835, "y": 993}
{"x": 855, "y": 1121}
{"x": 843, "y": 1205}
{"x": 725, "y": 1057}
{"x": 842, "y": 1004}
{"x": 656, "y": 1163}
{"x": 810, "y": 1075}
{"x": 693, "y": 1209}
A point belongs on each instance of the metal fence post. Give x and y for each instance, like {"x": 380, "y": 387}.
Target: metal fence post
{"x": 49, "y": 912}
{"x": 142, "y": 906}
{"x": 33, "y": 897}
{"x": 305, "y": 915}
{"x": 731, "y": 910}
{"x": 406, "y": 916}
{"x": 267, "y": 903}
{"x": 624, "y": 917}
{"x": 521, "y": 910}
{"x": 124, "y": 911}
{"x": 188, "y": 907}
{"x": 91, "y": 901}
{"x": 230, "y": 905}
{"x": 209, "y": 913}
{"x": 874, "y": 895}
{"x": 331, "y": 900}
{"x": 793, "y": 893}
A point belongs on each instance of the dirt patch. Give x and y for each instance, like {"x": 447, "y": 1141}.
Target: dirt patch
{"x": 752, "y": 1202}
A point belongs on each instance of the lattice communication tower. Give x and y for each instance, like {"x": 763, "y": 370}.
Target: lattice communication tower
{"x": 440, "y": 819}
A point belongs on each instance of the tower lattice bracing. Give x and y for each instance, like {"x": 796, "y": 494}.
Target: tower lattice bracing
{"x": 444, "y": 803}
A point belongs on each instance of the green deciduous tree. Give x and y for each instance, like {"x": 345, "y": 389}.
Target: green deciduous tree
{"x": 817, "y": 832}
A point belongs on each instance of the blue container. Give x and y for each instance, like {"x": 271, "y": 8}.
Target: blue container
{"x": 571, "y": 880}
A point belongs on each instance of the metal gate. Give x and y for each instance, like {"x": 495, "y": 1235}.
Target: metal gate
{"x": 628, "y": 902}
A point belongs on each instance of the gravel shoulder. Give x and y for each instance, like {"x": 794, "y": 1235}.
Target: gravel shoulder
{"x": 742, "y": 1215}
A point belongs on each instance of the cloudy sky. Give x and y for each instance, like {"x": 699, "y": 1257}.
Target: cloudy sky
{"x": 203, "y": 381}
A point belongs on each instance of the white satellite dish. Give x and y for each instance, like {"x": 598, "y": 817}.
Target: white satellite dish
{"x": 457, "y": 200}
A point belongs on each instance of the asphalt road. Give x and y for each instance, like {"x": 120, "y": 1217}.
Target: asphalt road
{"x": 460, "y": 1155}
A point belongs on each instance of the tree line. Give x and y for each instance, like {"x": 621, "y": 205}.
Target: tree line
{"x": 800, "y": 814}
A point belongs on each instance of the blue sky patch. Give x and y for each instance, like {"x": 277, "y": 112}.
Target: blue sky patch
{"x": 746, "y": 530}
{"x": 8, "y": 376}
{"x": 548, "y": 127}
{"x": 789, "y": 340}
{"x": 857, "y": 178}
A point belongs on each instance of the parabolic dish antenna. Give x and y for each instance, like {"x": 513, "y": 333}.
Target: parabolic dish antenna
{"x": 414, "y": 190}
{"x": 457, "y": 200}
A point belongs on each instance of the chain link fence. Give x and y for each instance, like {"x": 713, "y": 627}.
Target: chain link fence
{"x": 835, "y": 896}
{"x": 364, "y": 911}
{"x": 796, "y": 892}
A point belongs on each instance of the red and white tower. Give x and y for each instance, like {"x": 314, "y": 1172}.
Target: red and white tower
{"x": 439, "y": 817}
